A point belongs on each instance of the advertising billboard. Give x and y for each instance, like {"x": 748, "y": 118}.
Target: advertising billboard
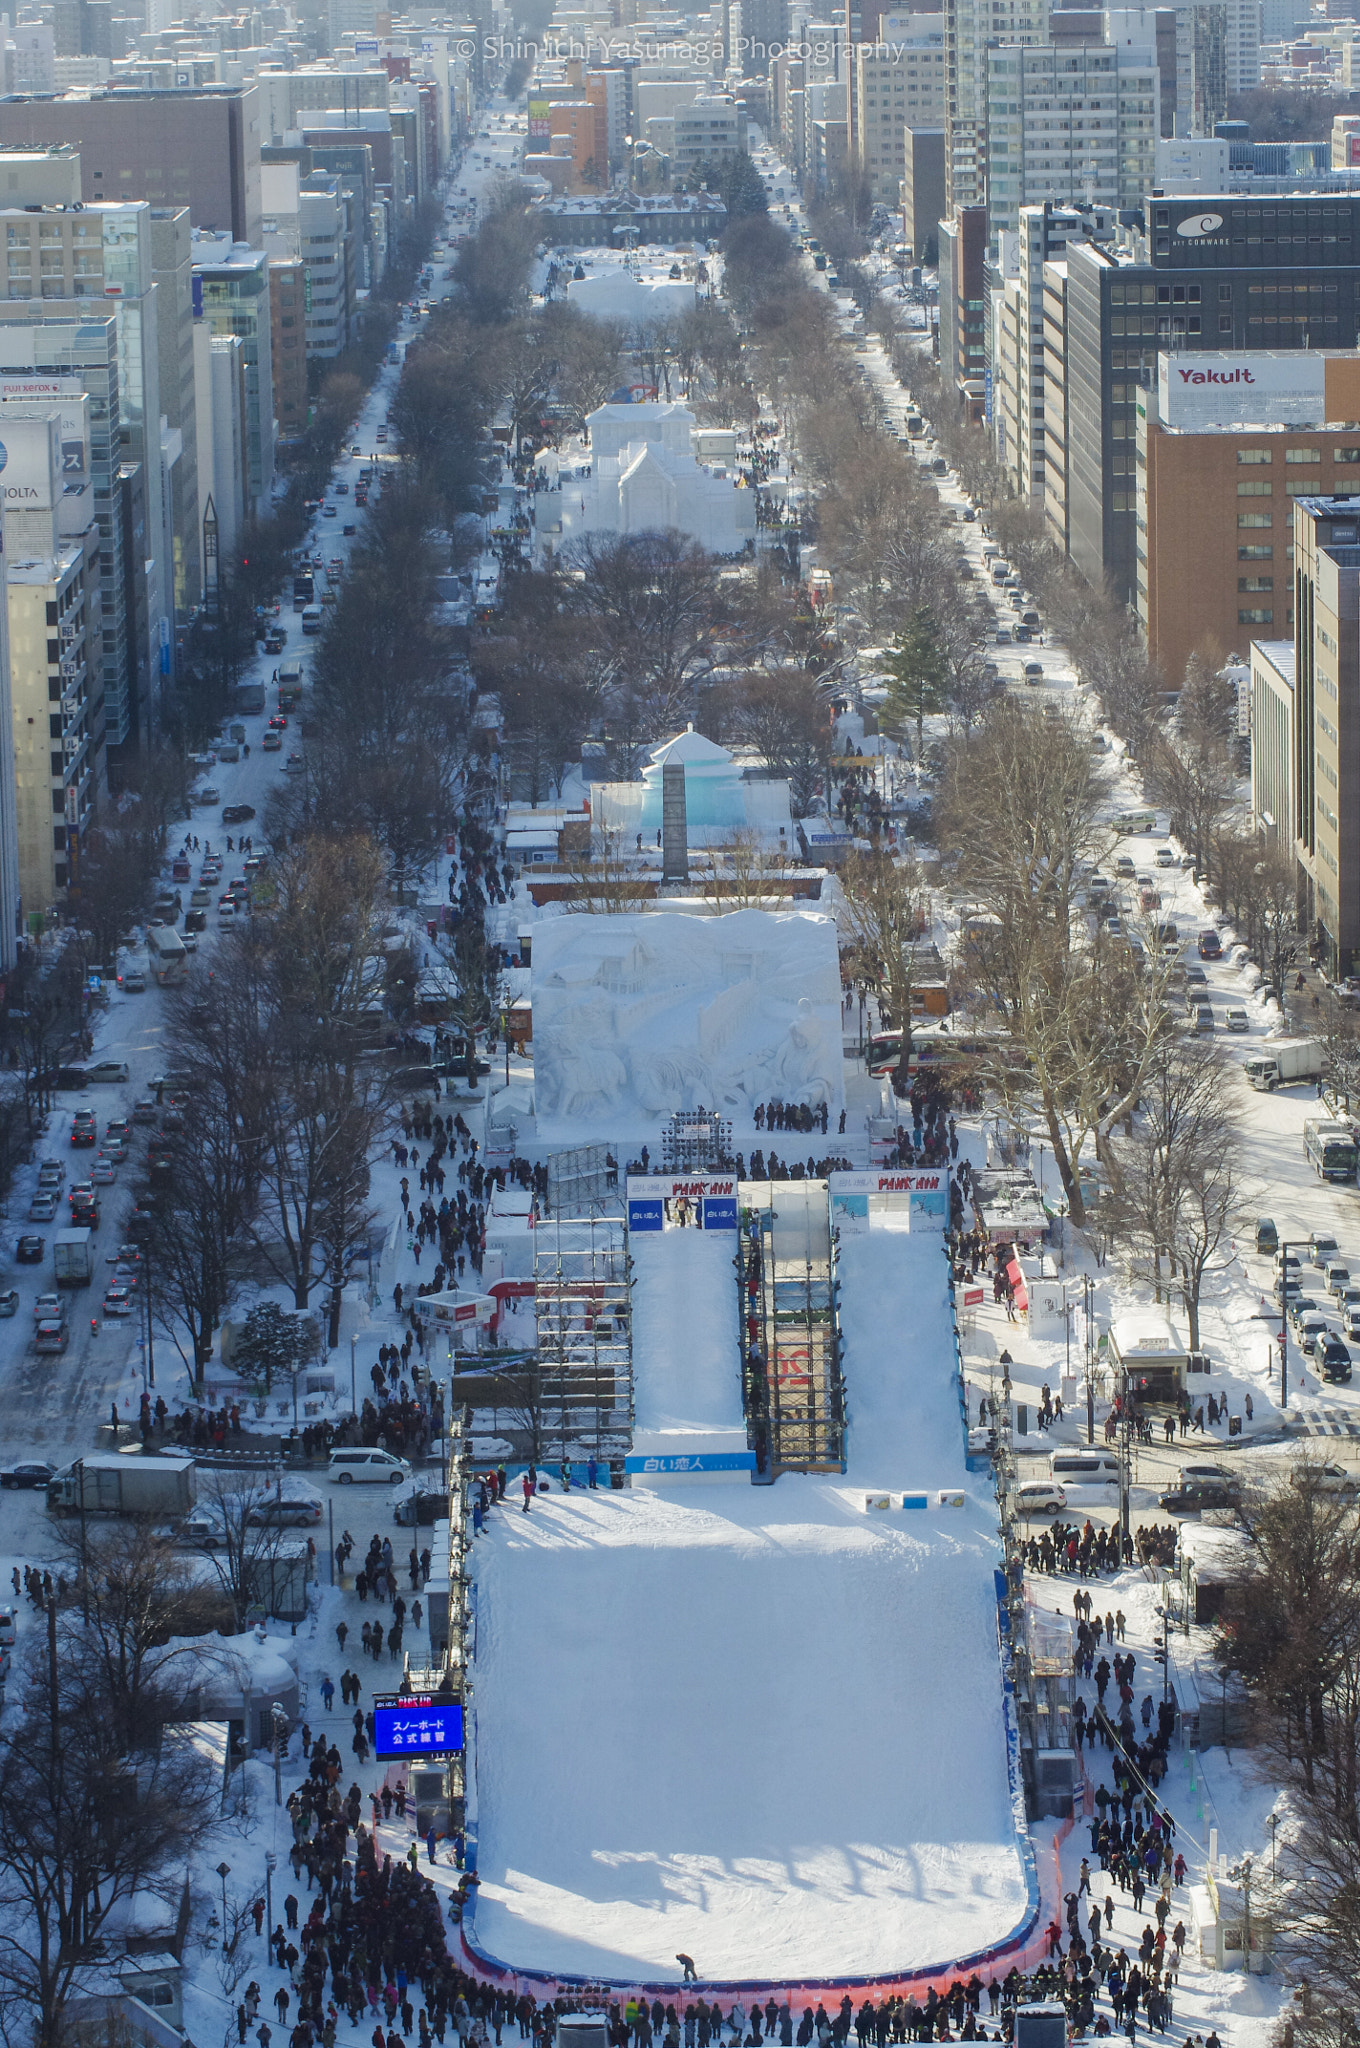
{"x": 1244, "y": 387}
{"x": 540, "y": 120}
{"x": 682, "y": 1200}
{"x": 419, "y": 1725}
{"x": 30, "y": 463}
{"x": 20, "y": 391}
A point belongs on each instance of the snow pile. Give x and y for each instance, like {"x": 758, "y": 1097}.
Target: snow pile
{"x": 639, "y": 1015}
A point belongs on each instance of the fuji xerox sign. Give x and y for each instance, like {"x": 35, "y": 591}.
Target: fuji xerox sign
{"x": 1250, "y": 387}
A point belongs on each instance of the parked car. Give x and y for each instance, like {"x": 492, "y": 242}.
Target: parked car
{"x": 31, "y": 1472}
{"x": 1192, "y": 1496}
{"x": 1323, "y": 1248}
{"x": 1310, "y": 1330}
{"x": 1039, "y": 1497}
{"x": 1325, "y": 1478}
{"x": 9, "y": 1302}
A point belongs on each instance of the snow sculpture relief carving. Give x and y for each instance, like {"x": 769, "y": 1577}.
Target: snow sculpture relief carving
{"x": 636, "y": 1016}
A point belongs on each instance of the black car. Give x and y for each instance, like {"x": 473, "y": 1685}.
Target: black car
{"x": 1334, "y": 1361}
{"x": 29, "y": 1250}
{"x": 421, "y": 1510}
{"x": 31, "y": 1473}
{"x": 1197, "y": 1494}
{"x": 237, "y": 814}
{"x": 195, "y": 920}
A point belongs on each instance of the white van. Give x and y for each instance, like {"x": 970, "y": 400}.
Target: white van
{"x": 1084, "y": 1468}
{"x": 366, "y": 1467}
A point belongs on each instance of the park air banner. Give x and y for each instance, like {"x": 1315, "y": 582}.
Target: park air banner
{"x": 915, "y": 1196}
{"x": 682, "y": 1201}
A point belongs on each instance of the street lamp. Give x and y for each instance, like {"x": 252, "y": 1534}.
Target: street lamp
{"x": 271, "y": 1863}
{"x": 224, "y": 1872}
{"x": 353, "y": 1382}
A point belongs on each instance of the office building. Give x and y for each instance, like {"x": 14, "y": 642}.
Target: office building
{"x": 53, "y": 620}
{"x": 922, "y": 191}
{"x": 11, "y": 901}
{"x": 971, "y": 29}
{"x": 899, "y": 86}
{"x": 81, "y": 264}
{"x": 1226, "y": 443}
{"x": 232, "y": 296}
{"x": 172, "y": 270}
{"x": 288, "y": 344}
{"x": 707, "y": 131}
{"x": 1069, "y": 124}
{"x": 1272, "y": 738}
{"x": 963, "y": 302}
{"x": 1222, "y": 275}
{"x": 199, "y": 149}
{"x": 1020, "y": 397}
{"x": 1326, "y": 738}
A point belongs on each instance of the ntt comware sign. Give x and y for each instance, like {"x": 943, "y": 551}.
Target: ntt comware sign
{"x": 1251, "y": 387}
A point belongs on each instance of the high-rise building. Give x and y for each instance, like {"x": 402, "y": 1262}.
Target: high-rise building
{"x": 53, "y": 619}
{"x": 171, "y": 258}
{"x": 1078, "y": 125}
{"x": 923, "y": 191}
{"x": 66, "y": 267}
{"x": 898, "y": 84}
{"x": 199, "y": 149}
{"x": 971, "y": 29}
{"x": 1326, "y": 735}
{"x": 963, "y": 303}
{"x": 288, "y": 340}
{"x": 1020, "y": 395}
{"x": 232, "y": 296}
{"x": 1215, "y": 275}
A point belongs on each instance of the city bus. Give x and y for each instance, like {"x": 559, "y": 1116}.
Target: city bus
{"x": 165, "y": 948}
{"x": 1330, "y": 1148}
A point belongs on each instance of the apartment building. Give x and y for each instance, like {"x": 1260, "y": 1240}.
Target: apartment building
{"x": 1272, "y": 738}
{"x": 971, "y": 29}
{"x": 1070, "y": 124}
{"x": 172, "y": 272}
{"x": 1019, "y": 395}
{"x": 707, "y": 131}
{"x": 288, "y": 344}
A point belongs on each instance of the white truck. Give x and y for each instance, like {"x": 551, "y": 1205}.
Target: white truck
{"x": 1292, "y": 1059}
{"x": 114, "y": 1483}
{"x": 73, "y": 1258}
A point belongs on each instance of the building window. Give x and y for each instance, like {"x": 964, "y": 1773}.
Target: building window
{"x": 1301, "y": 455}
{"x": 1245, "y": 519}
{"x": 1249, "y": 583}
{"x": 1254, "y": 552}
{"x": 1255, "y": 617}
{"x": 1346, "y": 455}
{"x": 1251, "y": 458}
{"x": 1253, "y": 487}
{"x": 1225, "y": 323}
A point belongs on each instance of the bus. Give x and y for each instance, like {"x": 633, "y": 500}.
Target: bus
{"x": 165, "y": 948}
{"x": 1330, "y": 1148}
{"x": 939, "y": 1050}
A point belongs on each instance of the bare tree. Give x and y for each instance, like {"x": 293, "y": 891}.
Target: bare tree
{"x": 1175, "y": 1181}
{"x": 885, "y": 915}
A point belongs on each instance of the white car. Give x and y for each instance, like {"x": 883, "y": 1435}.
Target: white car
{"x": 1039, "y": 1497}
{"x": 1326, "y": 1478}
{"x": 103, "y": 1173}
{"x": 1236, "y": 1020}
{"x": 7, "y": 1628}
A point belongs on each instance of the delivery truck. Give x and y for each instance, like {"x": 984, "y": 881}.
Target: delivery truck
{"x": 73, "y": 1257}
{"x": 1293, "y": 1059}
{"x": 124, "y": 1484}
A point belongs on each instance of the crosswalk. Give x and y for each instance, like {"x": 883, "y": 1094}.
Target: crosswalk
{"x": 1323, "y": 1422}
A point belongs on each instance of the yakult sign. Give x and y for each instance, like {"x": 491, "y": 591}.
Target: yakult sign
{"x": 1251, "y": 387}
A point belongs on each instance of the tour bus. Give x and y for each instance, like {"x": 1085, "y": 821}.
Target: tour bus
{"x": 934, "y": 1048}
{"x": 312, "y": 617}
{"x": 169, "y": 961}
{"x": 1331, "y": 1149}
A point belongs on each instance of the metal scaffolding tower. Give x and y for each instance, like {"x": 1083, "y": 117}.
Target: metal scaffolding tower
{"x": 585, "y": 1342}
{"x": 793, "y": 1388}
